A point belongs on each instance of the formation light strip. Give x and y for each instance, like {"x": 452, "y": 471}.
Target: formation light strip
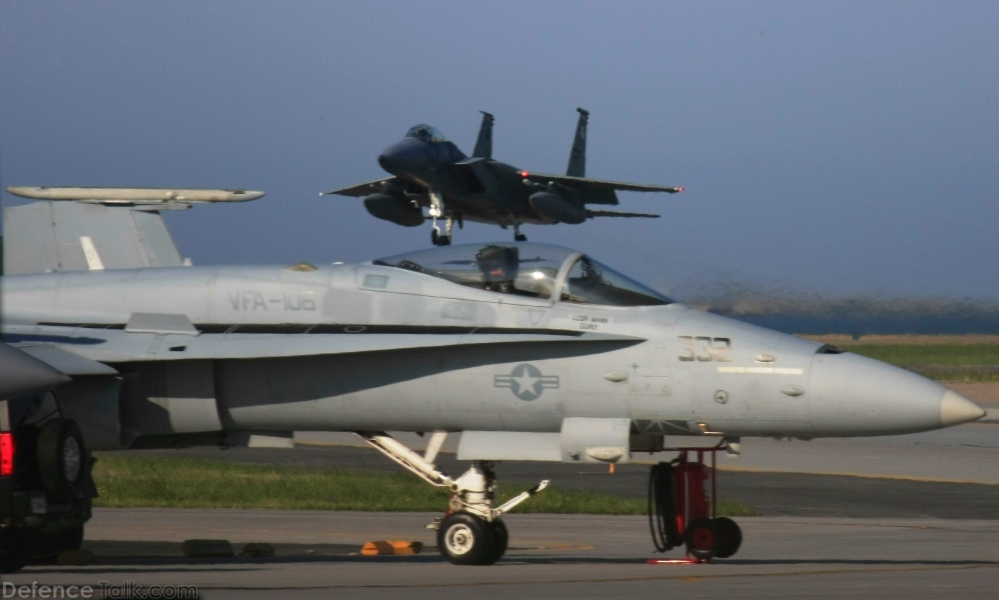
{"x": 761, "y": 370}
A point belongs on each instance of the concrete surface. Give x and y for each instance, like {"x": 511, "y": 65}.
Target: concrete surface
{"x": 549, "y": 557}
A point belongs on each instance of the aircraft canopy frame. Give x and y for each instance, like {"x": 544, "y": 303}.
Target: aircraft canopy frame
{"x": 529, "y": 270}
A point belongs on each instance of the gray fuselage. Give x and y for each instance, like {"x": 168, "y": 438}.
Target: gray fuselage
{"x": 369, "y": 347}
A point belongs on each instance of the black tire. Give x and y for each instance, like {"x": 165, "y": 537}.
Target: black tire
{"x": 62, "y": 459}
{"x": 49, "y": 545}
{"x": 435, "y": 236}
{"x": 16, "y": 549}
{"x": 520, "y": 237}
{"x": 501, "y": 538}
{"x": 703, "y": 537}
{"x": 731, "y": 537}
{"x": 465, "y": 539}
{"x": 445, "y": 240}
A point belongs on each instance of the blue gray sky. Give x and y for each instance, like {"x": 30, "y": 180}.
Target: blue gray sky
{"x": 846, "y": 148}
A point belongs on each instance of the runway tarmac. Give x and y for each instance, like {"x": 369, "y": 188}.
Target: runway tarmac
{"x": 550, "y": 556}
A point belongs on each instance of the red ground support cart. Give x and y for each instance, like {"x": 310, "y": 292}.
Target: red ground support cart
{"x": 683, "y": 508}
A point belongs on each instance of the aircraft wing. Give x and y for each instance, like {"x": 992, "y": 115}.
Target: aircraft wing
{"x": 610, "y": 213}
{"x": 363, "y": 189}
{"x": 584, "y": 184}
{"x": 64, "y": 361}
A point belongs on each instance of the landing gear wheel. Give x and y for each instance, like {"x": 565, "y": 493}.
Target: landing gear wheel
{"x": 731, "y": 537}
{"x": 465, "y": 539}
{"x": 435, "y": 236}
{"x": 62, "y": 459}
{"x": 500, "y": 539}
{"x": 520, "y": 237}
{"x": 444, "y": 240}
{"x": 16, "y": 547}
{"x": 703, "y": 538}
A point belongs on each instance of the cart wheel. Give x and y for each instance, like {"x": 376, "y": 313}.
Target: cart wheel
{"x": 500, "y": 539}
{"x": 62, "y": 459}
{"x": 465, "y": 539}
{"x": 703, "y": 538}
{"x": 731, "y": 537}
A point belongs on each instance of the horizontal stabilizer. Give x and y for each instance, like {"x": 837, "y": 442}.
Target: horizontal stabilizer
{"x": 610, "y": 213}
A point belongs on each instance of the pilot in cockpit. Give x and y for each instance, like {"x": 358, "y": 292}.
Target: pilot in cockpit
{"x": 499, "y": 267}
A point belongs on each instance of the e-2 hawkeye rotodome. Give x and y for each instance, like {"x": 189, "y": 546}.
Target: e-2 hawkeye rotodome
{"x": 529, "y": 351}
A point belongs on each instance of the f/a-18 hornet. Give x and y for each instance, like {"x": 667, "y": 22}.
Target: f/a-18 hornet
{"x": 529, "y": 351}
{"x": 429, "y": 171}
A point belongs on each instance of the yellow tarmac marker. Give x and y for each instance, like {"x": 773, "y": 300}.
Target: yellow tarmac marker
{"x": 391, "y": 548}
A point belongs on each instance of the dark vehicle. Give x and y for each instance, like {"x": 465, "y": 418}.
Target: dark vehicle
{"x": 45, "y": 483}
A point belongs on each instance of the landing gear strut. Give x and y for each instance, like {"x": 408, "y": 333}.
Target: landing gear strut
{"x": 471, "y": 531}
{"x": 437, "y": 211}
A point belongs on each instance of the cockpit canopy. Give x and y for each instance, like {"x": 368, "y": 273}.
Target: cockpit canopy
{"x": 531, "y": 270}
{"x": 425, "y": 133}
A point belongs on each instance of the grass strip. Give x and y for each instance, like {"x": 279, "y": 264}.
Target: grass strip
{"x": 943, "y": 354}
{"x": 943, "y": 362}
{"x": 132, "y": 482}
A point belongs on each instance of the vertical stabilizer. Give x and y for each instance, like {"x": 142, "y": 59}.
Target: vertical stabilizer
{"x": 92, "y": 229}
{"x": 484, "y": 145}
{"x": 577, "y": 157}
{"x": 67, "y": 236}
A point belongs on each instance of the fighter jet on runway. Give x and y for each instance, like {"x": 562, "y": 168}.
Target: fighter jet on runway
{"x": 529, "y": 351}
{"x": 429, "y": 171}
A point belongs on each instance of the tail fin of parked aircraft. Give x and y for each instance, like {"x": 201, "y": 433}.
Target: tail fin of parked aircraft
{"x": 100, "y": 228}
{"x": 577, "y": 157}
{"x": 484, "y": 144}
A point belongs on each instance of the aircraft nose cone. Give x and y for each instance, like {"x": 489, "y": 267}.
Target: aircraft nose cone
{"x": 405, "y": 157}
{"x": 23, "y": 374}
{"x": 853, "y": 395}
{"x": 956, "y": 409}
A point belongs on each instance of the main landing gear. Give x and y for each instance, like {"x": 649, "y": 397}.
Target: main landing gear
{"x": 517, "y": 235}
{"x": 439, "y": 239}
{"x": 471, "y": 531}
